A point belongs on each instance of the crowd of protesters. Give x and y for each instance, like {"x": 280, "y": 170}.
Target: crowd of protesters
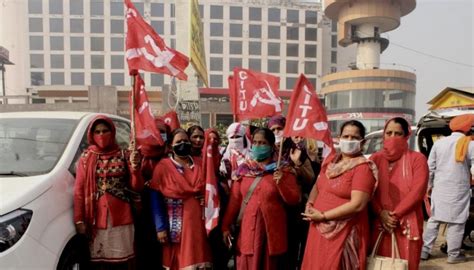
{"x": 281, "y": 206}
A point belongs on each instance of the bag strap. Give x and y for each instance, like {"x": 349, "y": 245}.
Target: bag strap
{"x": 377, "y": 243}
{"x": 395, "y": 251}
{"x": 245, "y": 201}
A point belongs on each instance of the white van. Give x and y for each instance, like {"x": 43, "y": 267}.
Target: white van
{"x": 38, "y": 154}
{"x": 374, "y": 141}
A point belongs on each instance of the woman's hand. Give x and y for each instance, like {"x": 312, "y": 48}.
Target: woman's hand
{"x": 227, "y": 237}
{"x": 277, "y": 176}
{"x": 295, "y": 155}
{"x": 162, "y": 237}
{"x": 81, "y": 228}
{"x": 135, "y": 158}
{"x": 389, "y": 220}
{"x": 312, "y": 214}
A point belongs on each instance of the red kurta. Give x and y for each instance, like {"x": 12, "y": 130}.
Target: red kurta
{"x": 402, "y": 190}
{"x": 325, "y": 254}
{"x": 268, "y": 201}
{"x": 193, "y": 250}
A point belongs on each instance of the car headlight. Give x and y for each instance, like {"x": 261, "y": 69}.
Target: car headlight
{"x": 12, "y": 227}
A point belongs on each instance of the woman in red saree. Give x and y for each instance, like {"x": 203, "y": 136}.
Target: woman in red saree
{"x": 178, "y": 179}
{"x": 338, "y": 236}
{"x": 403, "y": 176}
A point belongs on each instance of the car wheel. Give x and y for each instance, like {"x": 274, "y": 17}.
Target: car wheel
{"x": 75, "y": 256}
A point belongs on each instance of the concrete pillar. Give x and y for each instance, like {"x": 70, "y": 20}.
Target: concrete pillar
{"x": 103, "y": 99}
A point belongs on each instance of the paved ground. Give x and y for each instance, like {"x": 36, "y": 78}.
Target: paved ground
{"x": 438, "y": 259}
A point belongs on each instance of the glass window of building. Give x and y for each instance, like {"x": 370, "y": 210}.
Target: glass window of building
{"x": 97, "y": 26}
{"x": 116, "y": 26}
{"x": 57, "y": 78}
{"x": 117, "y": 79}
{"x": 292, "y": 33}
{"x": 140, "y": 7}
{"x": 173, "y": 43}
{"x": 159, "y": 26}
{"x": 273, "y": 32}
{"x": 216, "y": 30}
{"x": 292, "y": 49}
{"x": 205, "y": 120}
{"x": 224, "y": 119}
{"x": 97, "y": 78}
{"x": 117, "y": 9}
{"x": 274, "y": 15}
{"x": 116, "y": 61}
{"x": 309, "y": 67}
{"x": 77, "y": 43}
{"x": 77, "y": 78}
{"x": 57, "y": 61}
{"x": 235, "y": 13}
{"x": 172, "y": 11}
{"x": 338, "y": 100}
{"x": 76, "y": 7}
{"x": 313, "y": 82}
{"x": 311, "y": 17}
{"x": 56, "y": 43}
{"x": 273, "y": 66}
{"x": 292, "y": 16}
{"x": 334, "y": 26}
{"x": 255, "y": 31}
{"x": 235, "y": 47}
{"x": 55, "y": 6}
{"x": 216, "y": 64}
{"x": 97, "y": 7}
{"x": 255, "y": 64}
{"x": 334, "y": 41}
{"x": 216, "y": 46}
{"x": 157, "y": 80}
{"x": 235, "y": 30}
{"x": 56, "y": 25}
{"x": 157, "y": 9}
{"x": 35, "y": 24}
{"x": 37, "y": 78}
{"x": 216, "y": 80}
{"x": 35, "y": 6}
{"x": 97, "y": 61}
{"x": 36, "y": 43}
{"x": 255, "y": 48}
{"x": 290, "y": 82}
{"x": 77, "y": 61}
{"x": 311, "y": 34}
{"x": 334, "y": 57}
{"x": 97, "y": 44}
{"x": 274, "y": 49}
{"x": 76, "y": 25}
{"x": 292, "y": 66}
{"x": 234, "y": 62}
{"x": 36, "y": 61}
{"x": 116, "y": 44}
{"x": 310, "y": 50}
{"x": 217, "y": 12}
{"x": 255, "y": 14}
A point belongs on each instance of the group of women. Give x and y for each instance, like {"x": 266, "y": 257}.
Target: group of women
{"x": 281, "y": 208}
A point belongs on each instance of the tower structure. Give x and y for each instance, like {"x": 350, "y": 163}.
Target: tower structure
{"x": 368, "y": 92}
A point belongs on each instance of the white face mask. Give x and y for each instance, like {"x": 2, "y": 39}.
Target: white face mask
{"x": 236, "y": 143}
{"x": 278, "y": 137}
{"x": 349, "y": 147}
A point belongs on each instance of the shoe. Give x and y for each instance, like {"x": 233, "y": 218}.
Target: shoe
{"x": 458, "y": 259}
{"x": 424, "y": 256}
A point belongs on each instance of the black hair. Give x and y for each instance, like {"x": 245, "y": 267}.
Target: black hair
{"x": 267, "y": 134}
{"x": 100, "y": 121}
{"x": 191, "y": 129}
{"x": 174, "y": 133}
{"x": 403, "y": 123}
{"x": 355, "y": 123}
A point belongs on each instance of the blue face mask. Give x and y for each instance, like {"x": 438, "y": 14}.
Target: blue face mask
{"x": 261, "y": 152}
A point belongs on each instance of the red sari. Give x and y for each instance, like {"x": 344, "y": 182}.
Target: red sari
{"x": 401, "y": 190}
{"x": 325, "y": 250}
{"x": 175, "y": 182}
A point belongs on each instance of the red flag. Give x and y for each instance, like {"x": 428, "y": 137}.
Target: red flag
{"x": 307, "y": 117}
{"x": 146, "y": 50}
{"x": 146, "y": 131}
{"x": 212, "y": 201}
{"x": 171, "y": 119}
{"x": 254, "y": 94}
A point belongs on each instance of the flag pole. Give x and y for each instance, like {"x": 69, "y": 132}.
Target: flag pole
{"x": 280, "y": 151}
{"x": 132, "y": 145}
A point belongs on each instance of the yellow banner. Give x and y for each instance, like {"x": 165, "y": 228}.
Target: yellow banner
{"x": 198, "y": 55}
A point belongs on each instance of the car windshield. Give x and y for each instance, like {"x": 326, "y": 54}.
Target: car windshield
{"x": 32, "y": 146}
{"x": 374, "y": 142}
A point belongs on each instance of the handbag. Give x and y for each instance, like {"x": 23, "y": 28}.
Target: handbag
{"x": 376, "y": 262}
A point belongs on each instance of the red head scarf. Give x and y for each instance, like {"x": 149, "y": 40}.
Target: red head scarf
{"x": 394, "y": 147}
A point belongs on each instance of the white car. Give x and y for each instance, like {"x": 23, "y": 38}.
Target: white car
{"x": 374, "y": 141}
{"x": 38, "y": 158}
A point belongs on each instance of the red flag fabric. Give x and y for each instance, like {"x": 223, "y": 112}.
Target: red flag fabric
{"x": 254, "y": 94}
{"x": 171, "y": 119}
{"x": 307, "y": 117}
{"x": 212, "y": 201}
{"x": 146, "y": 131}
{"x": 146, "y": 50}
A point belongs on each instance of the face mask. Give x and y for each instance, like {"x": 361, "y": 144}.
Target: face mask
{"x": 349, "y": 147}
{"x": 394, "y": 147}
{"x": 236, "y": 143}
{"x": 300, "y": 145}
{"x": 261, "y": 152}
{"x": 182, "y": 149}
{"x": 164, "y": 137}
{"x": 103, "y": 140}
{"x": 278, "y": 137}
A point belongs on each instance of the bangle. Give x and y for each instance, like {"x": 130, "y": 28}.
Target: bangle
{"x": 309, "y": 204}
{"x": 324, "y": 216}
{"x": 79, "y": 222}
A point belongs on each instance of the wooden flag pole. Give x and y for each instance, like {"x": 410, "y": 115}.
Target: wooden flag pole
{"x": 132, "y": 145}
{"x": 280, "y": 151}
